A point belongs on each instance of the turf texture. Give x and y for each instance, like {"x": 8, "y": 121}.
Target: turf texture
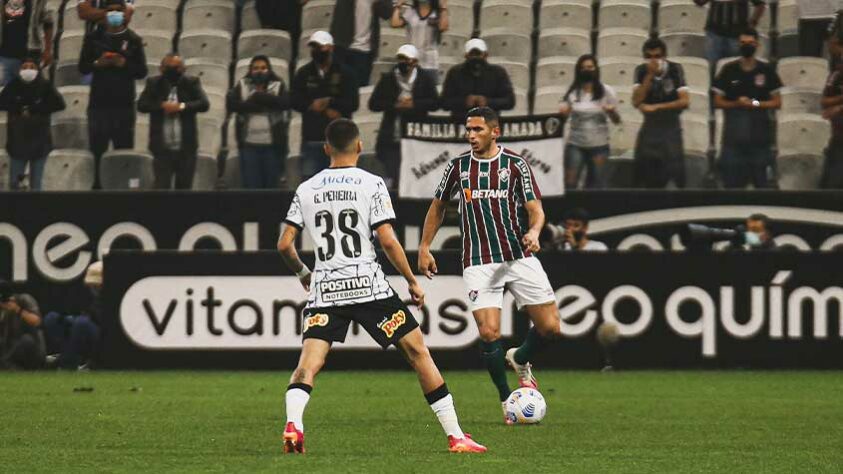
{"x": 379, "y": 422}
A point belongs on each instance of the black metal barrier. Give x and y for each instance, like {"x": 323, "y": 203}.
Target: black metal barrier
{"x": 673, "y": 310}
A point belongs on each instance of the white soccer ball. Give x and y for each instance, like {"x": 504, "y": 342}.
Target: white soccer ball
{"x": 526, "y": 405}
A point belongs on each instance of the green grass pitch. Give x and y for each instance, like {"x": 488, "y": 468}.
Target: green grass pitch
{"x": 379, "y": 422}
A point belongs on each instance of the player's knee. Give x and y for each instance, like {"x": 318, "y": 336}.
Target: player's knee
{"x": 416, "y": 353}
{"x": 490, "y": 334}
{"x": 304, "y": 374}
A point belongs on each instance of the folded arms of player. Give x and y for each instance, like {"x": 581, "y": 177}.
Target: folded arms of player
{"x": 535, "y": 211}
{"x": 287, "y": 247}
{"x": 432, "y": 222}
{"x": 395, "y": 253}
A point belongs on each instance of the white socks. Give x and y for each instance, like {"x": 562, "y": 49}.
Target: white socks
{"x": 296, "y": 401}
{"x": 447, "y": 415}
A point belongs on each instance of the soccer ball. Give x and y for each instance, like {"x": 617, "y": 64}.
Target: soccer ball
{"x": 526, "y": 405}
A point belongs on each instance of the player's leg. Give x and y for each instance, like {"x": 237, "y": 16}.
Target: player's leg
{"x": 311, "y": 360}
{"x": 491, "y": 349}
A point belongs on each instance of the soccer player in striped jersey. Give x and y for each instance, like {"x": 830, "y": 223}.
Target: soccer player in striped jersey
{"x": 501, "y": 217}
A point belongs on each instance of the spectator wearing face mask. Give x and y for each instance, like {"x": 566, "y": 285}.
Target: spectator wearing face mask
{"x": 323, "y": 90}
{"x": 29, "y": 99}
{"x": 423, "y": 21}
{"x": 758, "y": 235}
{"x": 406, "y": 93}
{"x": 115, "y": 56}
{"x": 94, "y": 13}
{"x": 26, "y": 30}
{"x": 261, "y": 102}
{"x": 476, "y": 83}
{"x": 590, "y": 105}
{"x": 726, "y": 20}
{"x": 173, "y": 100}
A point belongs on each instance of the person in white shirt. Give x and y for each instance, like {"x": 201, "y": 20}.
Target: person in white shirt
{"x": 423, "y": 21}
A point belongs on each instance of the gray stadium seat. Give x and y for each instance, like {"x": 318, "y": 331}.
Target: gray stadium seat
{"x": 565, "y": 14}
{"x": 461, "y": 18}
{"x": 365, "y": 93}
{"x": 379, "y": 68}
{"x": 519, "y": 72}
{"x": 157, "y": 44}
{"x": 694, "y": 133}
{"x": 294, "y": 132}
{"x": 799, "y": 172}
{"x": 154, "y": 15}
{"x": 625, "y": 107}
{"x": 522, "y": 104}
{"x": 681, "y": 15}
{"x": 505, "y": 43}
{"x": 316, "y": 14}
{"x": 76, "y": 101}
{"x": 802, "y": 134}
{"x": 564, "y": 42}
{"x": 266, "y": 42}
{"x": 4, "y": 171}
{"x": 369, "y": 126}
{"x": 68, "y": 170}
{"x": 510, "y": 14}
{"x": 788, "y": 21}
{"x": 547, "y": 99}
{"x": 142, "y": 132}
{"x": 696, "y": 71}
{"x": 210, "y": 135}
{"x": 555, "y": 71}
{"x": 280, "y": 66}
{"x": 804, "y": 73}
{"x": 208, "y": 14}
{"x": 390, "y": 40}
{"x": 70, "y": 132}
{"x": 800, "y": 101}
{"x": 217, "y": 99}
{"x": 685, "y": 43}
{"x": 699, "y": 102}
{"x": 71, "y": 18}
{"x": 214, "y": 45}
{"x": 622, "y": 137}
{"x": 452, "y": 45}
{"x": 67, "y": 65}
{"x": 618, "y": 70}
{"x": 621, "y": 42}
{"x": 212, "y": 74}
{"x": 249, "y": 19}
{"x": 205, "y": 177}
{"x": 624, "y": 14}
{"x": 126, "y": 169}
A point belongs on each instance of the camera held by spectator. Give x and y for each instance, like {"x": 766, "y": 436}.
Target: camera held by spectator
{"x": 572, "y": 235}
{"x": 752, "y": 236}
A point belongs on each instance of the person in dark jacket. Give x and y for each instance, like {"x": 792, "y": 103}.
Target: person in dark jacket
{"x": 29, "y": 99}
{"x": 355, "y": 26}
{"x": 21, "y": 339}
{"x": 323, "y": 90}
{"x": 173, "y": 100}
{"x": 116, "y": 58}
{"x": 406, "y": 93}
{"x": 476, "y": 83}
{"x": 261, "y": 102}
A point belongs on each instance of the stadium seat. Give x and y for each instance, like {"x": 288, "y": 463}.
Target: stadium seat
{"x": 622, "y": 137}
{"x": 390, "y": 40}
{"x": 799, "y": 172}
{"x": 699, "y": 102}
{"x": 126, "y": 169}
{"x": 519, "y": 72}
{"x": 564, "y": 42}
{"x": 802, "y": 134}
{"x": 75, "y": 100}
{"x": 618, "y": 70}
{"x": 788, "y": 45}
{"x": 695, "y": 133}
{"x": 461, "y": 18}
{"x": 625, "y": 107}
{"x": 681, "y": 15}
{"x": 212, "y": 74}
{"x": 205, "y": 176}
{"x": 208, "y": 15}
{"x": 316, "y": 15}
{"x": 508, "y": 14}
{"x": 696, "y": 71}
{"x": 379, "y": 68}
{"x": 280, "y": 66}
{"x": 70, "y": 18}
{"x": 216, "y": 97}
{"x": 142, "y": 132}
{"x": 555, "y": 71}
{"x": 788, "y": 18}
{"x": 155, "y": 15}
{"x": 4, "y": 171}
{"x": 452, "y": 45}
{"x": 67, "y": 64}
{"x": 685, "y": 43}
{"x": 249, "y": 18}
{"x": 369, "y": 126}
{"x": 210, "y": 135}
{"x": 70, "y": 132}
{"x": 365, "y": 93}
{"x": 266, "y": 42}
{"x": 522, "y": 104}
{"x": 214, "y": 45}
{"x": 294, "y": 132}
{"x": 800, "y": 101}
{"x": 156, "y": 45}
{"x": 804, "y": 73}
{"x": 68, "y": 170}
{"x": 624, "y": 14}
{"x": 621, "y": 42}
{"x": 565, "y": 14}
{"x": 505, "y": 43}
{"x": 547, "y": 99}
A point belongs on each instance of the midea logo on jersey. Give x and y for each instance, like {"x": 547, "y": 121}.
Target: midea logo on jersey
{"x": 486, "y": 194}
{"x": 346, "y": 289}
{"x": 341, "y": 179}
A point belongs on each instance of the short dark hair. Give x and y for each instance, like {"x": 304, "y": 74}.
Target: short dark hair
{"x": 654, "y": 43}
{"x": 489, "y": 115}
{"x": 762, "y": 218}
{"x": 108, "y": 3}
{"x": 341, "y": 134}
{"x": 749, "y": 32}
{"x": 578, "y": 214}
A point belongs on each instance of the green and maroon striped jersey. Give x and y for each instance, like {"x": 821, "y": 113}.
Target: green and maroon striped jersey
{"x": 492, "y": 198}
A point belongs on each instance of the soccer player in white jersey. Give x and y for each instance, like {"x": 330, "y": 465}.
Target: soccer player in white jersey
{"x": 501, "y": 218}
{"x": 341, "y": 207}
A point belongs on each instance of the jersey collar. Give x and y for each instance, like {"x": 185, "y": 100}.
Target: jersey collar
{"x": 497, "y": 155}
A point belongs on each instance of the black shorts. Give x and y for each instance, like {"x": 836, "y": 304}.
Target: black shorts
{"x": 387, "y": 321}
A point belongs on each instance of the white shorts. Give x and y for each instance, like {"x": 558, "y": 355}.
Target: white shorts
{"x": 524, "y": 277}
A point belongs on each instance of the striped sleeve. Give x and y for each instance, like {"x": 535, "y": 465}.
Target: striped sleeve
{"x": 527, "y": 181}
{"x": 449, "y": 179}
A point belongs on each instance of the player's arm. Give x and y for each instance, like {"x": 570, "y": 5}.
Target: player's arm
{"x": 287, "y": 248}
{"x": 395, "y": 253}
{"x": 432, "y": 223}
{"x": 535, "y": 211}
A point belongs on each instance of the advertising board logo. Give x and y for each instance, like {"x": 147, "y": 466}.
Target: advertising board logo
{"x": 318, "y": 319}
{"x": 389, "y": 326}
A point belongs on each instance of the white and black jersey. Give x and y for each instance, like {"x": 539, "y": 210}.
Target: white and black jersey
{"x": 340, "y": 208}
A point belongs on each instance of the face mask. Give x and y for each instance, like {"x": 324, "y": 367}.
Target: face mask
{"x": 260, "y": 77}
{"x": 475, "y": 64}
{"x": 404, "y": 68}
{"x": 28, "y": 75}
{"x": 114, "y": 18}
{"x": 752, "y": 239}
{"x": 748, "y": 50}
{"x": 587, "y": 75}
{"x": 172, "y": 74}
{"x": 319, "y": 56}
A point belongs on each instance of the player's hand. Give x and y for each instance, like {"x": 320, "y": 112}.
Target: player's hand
{"x": 305, "y": 282}
{"x": 531, "y": 241}
{"x": 427, "y": 264}
{"x": 416, "y": 293}
{"x": 564, "y": 109}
